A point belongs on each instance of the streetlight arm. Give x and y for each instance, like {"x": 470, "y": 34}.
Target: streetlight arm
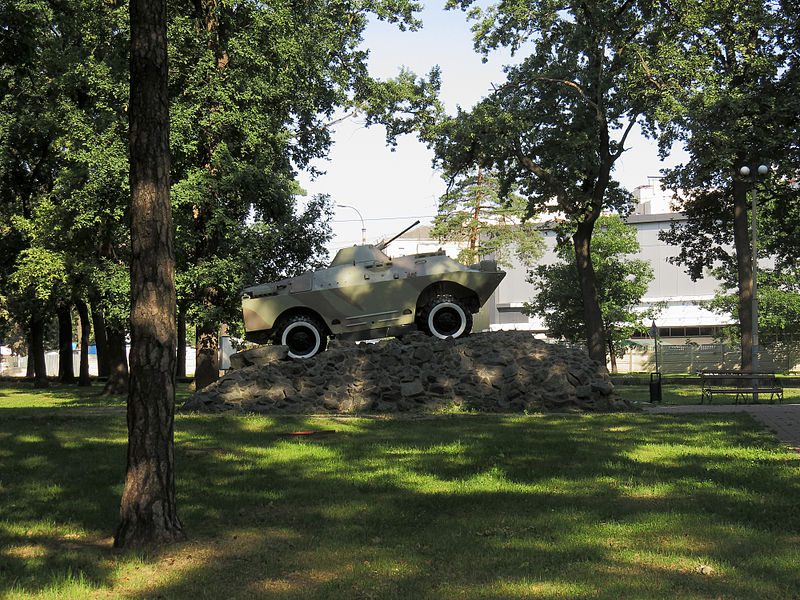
{"x": 363, "y": 227}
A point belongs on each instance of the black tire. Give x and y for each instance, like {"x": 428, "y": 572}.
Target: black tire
{"x": 303, "y": 335}
{"x": 446, "y": 316}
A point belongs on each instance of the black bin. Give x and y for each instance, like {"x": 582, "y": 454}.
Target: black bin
{"x": 655, "y": 387}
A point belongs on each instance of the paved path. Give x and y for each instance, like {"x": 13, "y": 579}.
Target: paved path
{"x": 781, "y": 419}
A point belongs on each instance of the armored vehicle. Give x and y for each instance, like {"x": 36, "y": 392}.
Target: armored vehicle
{"x": 364, "y": 294}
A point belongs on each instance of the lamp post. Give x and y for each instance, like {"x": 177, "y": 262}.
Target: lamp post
{"x": 655, "y": 378}
{"x": 363, "y": 228}
{"x": 745, "y": 172}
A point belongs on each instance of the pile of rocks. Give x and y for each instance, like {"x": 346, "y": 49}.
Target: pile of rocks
{"x": 488, "y": 372}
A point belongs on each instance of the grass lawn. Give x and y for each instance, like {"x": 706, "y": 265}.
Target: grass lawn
{"x": 451, "y": 506}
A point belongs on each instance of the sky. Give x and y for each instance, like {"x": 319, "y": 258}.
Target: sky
{"x": 391, "y": 189}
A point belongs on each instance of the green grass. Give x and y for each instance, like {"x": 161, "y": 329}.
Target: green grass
{"x": 449, "y": 506}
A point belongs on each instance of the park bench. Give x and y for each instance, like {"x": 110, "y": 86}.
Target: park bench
{"x": 741, "y": 384}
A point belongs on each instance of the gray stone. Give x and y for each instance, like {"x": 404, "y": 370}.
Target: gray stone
{"x": 263, "y": 355}
{"x": 604, "y": 387}
{"x": 499, "y": 371}
{"x": 411, "y": 389}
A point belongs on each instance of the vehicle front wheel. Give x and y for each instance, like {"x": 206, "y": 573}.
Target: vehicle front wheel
{"x": 445, "y": 317}
{"x": 303, "y": 335}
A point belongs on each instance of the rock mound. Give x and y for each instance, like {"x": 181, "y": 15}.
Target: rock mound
{"x": 488, "y": 372}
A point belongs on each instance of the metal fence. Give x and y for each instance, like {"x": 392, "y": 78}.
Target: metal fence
{"x": 690, "y": 358}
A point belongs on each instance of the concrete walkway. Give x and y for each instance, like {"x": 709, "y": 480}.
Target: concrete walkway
{"x": 781, "y": 419}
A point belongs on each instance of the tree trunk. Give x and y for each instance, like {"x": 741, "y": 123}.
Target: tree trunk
{"x": 612, "y": 358}
{"x": 66, "y": 372}
{"x": 593, "y": 318}
{"x": 117, "y": 384}
{"x": 180, "y": 371}
{"x": 99, "y": 326}
{"x": 148, "y": 511}
{"x": 207, "y": 356}
{"x": 86, "y": 331}
{"x": 29, "y": 370}
{"x": 36, "y": 353}
{"x": 744, "y": 268}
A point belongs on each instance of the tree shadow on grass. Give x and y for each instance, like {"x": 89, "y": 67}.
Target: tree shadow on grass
{"x": 480, "y": 507}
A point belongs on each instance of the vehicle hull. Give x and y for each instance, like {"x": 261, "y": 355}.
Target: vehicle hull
{"x": 365, "y": 294}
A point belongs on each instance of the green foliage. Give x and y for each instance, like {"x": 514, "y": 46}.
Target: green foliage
{"x": 404, "y": 104}
{"x": 252, "y": 87}
{"x": 560, "y": 121}
{"x": 621, "y": 283}
{"x": 39, "y": 281}
{"x": 64, "y": 167}
{"x": 473, "y": 214}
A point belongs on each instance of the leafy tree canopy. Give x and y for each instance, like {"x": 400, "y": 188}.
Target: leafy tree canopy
{"x": 252, "y": 87}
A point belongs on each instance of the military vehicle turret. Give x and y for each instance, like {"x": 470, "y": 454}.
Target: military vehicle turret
{"x": 364, "y": 294}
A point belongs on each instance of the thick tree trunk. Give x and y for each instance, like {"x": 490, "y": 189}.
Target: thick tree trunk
{"x": 29, "y": 370}
{"x": 593, "y": 318}
{"x": 36, "y": 353}
{"x": 117, "y": 383}
{"x": 99, "y": 326}
{"x": 66, "y": 372}
{"x": 207, "y": 361}
{"x": 86, "y": 331}
{"x": 744, "y": 268}
{"x": 180, "y": 370}
{"x": 148, "y": 512}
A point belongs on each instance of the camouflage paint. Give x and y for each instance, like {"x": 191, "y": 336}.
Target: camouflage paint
{"x": 364, "y": 292}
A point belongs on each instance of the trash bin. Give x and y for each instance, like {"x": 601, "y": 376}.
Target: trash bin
{"x": 655, "y": 387}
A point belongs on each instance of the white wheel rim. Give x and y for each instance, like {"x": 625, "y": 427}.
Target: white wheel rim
{"x": 442, "y": 306}
{"x": 308, "y": 326}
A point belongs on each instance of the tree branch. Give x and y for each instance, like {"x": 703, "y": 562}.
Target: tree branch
{"x": 628, "y": 129}
{"x": 647, "y": 71}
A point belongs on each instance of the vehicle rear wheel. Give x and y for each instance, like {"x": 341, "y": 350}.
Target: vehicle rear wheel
{"x": 446, "y": 316}
{"x": 303, "y": 335}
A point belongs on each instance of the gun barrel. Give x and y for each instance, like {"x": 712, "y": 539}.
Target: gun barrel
{"x": 389, "y": 241}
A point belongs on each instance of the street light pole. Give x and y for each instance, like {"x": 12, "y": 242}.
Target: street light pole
{"x": 655, "y": 378}
{"x": 745, "y": 171}
{"x": 363, "y": 228}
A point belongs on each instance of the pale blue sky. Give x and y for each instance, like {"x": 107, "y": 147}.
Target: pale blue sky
{"x": 392, "y": 189}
